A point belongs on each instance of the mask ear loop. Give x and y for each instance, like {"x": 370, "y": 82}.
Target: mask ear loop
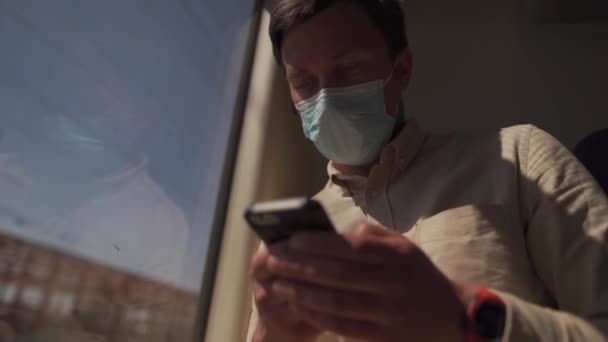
{"x": 386, "y": 80}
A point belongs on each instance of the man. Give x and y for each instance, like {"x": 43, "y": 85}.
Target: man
{"x": 490, "y": 236}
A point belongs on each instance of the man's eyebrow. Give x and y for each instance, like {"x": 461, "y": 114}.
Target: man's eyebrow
{"x": 350, "y": 54}
{"x": 341, "y": 56}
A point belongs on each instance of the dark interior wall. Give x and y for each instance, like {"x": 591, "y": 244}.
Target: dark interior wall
{"x": 551, "y": 10}
{"x": 482, "y": 64}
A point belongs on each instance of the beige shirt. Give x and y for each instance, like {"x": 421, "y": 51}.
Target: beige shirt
{"x": 510, "y": 210}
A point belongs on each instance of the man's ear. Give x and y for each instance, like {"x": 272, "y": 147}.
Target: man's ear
{"x": 403, "y": 68}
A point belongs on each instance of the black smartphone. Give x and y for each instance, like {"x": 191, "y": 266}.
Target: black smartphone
{"x": 278, "y": 220}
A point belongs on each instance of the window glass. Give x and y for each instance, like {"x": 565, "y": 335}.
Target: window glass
{"x": 114, "y": 125}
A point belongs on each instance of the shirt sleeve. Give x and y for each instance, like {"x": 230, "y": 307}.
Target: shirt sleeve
{"x": 566, "y": 234}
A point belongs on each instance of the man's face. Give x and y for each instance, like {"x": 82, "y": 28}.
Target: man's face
{"x": 342, "y": 47}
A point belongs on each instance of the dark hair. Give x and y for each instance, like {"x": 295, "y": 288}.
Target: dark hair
{"x": 387, "y": 15}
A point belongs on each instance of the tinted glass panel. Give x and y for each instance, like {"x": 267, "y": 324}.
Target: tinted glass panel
{"x": 114, "y": 126}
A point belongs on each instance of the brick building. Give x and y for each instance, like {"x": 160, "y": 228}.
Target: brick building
{"x": 48, "y": 293}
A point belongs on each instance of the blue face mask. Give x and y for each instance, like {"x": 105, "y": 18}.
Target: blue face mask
{"x": 349, "y": 125}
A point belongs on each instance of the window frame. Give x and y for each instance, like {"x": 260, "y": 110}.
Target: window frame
{"x": 216, "y": 237}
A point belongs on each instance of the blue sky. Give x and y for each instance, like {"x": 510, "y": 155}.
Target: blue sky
{"x": 147, "y": 78}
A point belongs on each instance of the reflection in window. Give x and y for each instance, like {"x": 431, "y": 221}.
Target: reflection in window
{"x": 114, "y": 120}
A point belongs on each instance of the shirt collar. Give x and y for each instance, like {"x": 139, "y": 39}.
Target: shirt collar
{"x": 399, "y": 152}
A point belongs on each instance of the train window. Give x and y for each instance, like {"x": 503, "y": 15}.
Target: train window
{"x": 116, "y": 126}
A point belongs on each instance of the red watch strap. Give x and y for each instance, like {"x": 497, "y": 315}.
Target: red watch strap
{"x": 482, "y": 296}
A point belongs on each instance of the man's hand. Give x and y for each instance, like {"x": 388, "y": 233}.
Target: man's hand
{"x": 277, "y": 320}
{"x": 372, "y": 284}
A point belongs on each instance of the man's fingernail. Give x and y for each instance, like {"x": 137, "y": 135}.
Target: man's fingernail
{"x": 282, "y": 288}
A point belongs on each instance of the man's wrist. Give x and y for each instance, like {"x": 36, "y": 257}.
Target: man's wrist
{"x": 465, "y": 294}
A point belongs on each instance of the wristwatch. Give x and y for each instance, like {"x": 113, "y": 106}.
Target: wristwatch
{"x": 486, "y": 317}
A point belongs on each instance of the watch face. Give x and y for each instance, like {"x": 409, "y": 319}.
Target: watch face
{"x": 490, "y": 320}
